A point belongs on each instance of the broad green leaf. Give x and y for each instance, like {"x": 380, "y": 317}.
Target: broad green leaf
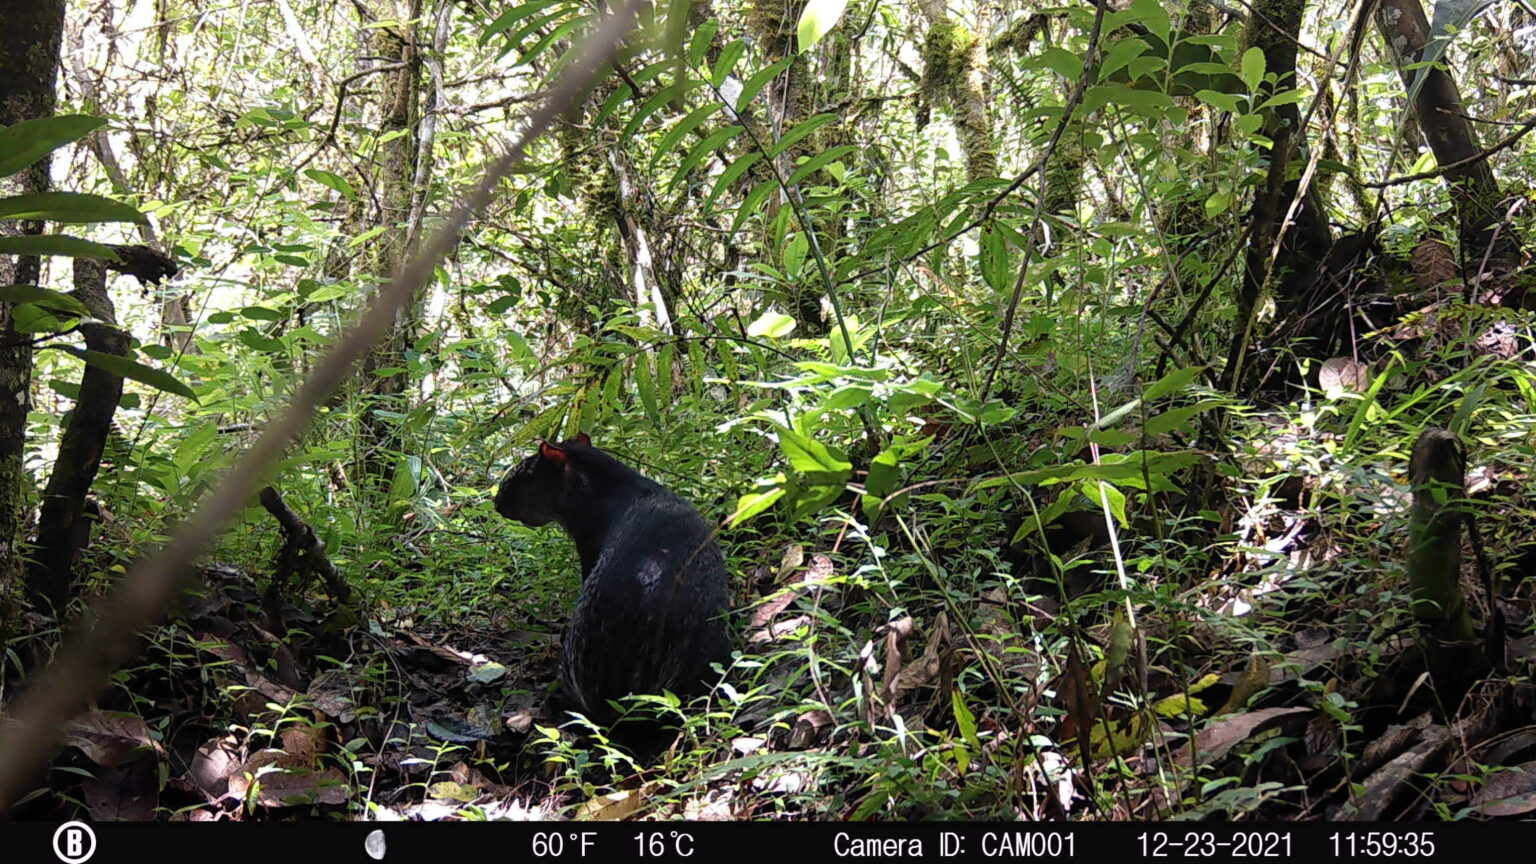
{"x": 1219, "y": 203}
{"x": 332, "y": 181}
{"x": 1173, "y": 382}
{"x": 192, "y": 448}
{"x": 1253, "y": 67}
{"x": 757, "y": 82}
{"x": 964, "y": 719}
{"x": 68, "y": 207}
{"x": 22, "y": 144}
{"x": 663, "y": 97}
{"x": 811, "y": 498}
{"x": 403, "y": 486}
{"x": 698, "y": 47}
{"x": 794, "y": 254}
{"x": 645, "y": 386}
{"x": 1119, "y": 94}
{"x": 769, "y": 491}
{"x": 262, "y": 313}
{"x": 726, "y": 62}
{"x": 32, "y": 318}
{"x": 773, "y": 325}
{"x": 1205, "y": 67}
{"x": 846, "y": 397}
{"x": 1120, "y": 55}
{"x": 560, "y": 32}
{"x": 801, "y": 129}
{"x": 327, "y": 293}
{"x": 131, "y": 369}
{"x": 817, "y": 20}
{"x": 1152, "y": 14}
{"x": 1067, "y": 64}
{"x": 55, "y": 244}
{"x": 813, "y": 459}
{"x": 1178, "y": 418}
{"x": 1224, "y": 101}
{"x": 257, "y": 342}
{"x": 729, "y": 175}
{"x": 1284, "y": 97}
{"x": 44, "y": 297}
{"x": 683, "y": 127}
{"x": 750, "y": 201}
{"x": 1125, "y": 470}
{"x": 995, "y": 264}
{"x": 619, "y": 97}
{"x": 517, "y": 13}
{"x": 702, "y": 150}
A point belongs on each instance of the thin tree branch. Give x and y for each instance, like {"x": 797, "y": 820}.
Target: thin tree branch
{"x": 1504, "y": 144}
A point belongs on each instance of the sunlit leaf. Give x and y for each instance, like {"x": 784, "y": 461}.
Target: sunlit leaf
{"x": 68, "y": 208}
{"x": 817, "y": 20}
{"x": 131, "y": 369}
{"x": 22, "y": 144}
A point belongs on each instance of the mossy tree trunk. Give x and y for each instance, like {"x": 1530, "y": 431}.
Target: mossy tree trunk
{"x": 789, "y": 99}
{"x": 645, "y": 285}
{"x": 1274, "y": 27}
{"x": 955, "y": 69}
{"x": 384, "y": 376}
{"x": 29, "y": 62}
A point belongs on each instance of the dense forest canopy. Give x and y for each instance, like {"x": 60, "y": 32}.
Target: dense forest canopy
{"x": 1106, "y": 410}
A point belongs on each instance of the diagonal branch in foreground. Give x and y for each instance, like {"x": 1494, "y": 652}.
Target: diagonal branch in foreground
{"x": 104, "y": 639}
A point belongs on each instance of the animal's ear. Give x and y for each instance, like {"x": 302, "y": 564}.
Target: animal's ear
{"x": 551, "y": 453}
{"x": 583, "y": 440}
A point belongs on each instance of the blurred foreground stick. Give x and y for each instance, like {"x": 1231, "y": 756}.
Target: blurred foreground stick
{"x": 106, "y": 639}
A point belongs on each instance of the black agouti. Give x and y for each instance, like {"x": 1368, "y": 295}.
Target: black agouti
{"x": 651, "y": 613}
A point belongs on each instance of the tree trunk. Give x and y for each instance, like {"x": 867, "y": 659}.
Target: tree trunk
{"x": 384, "y": 377}
{"x": 85, "y": 436}
{"x": 30, "y": 36}
{"x": 955, "y": 68}
{"x": 645, "y": 286}
{"x": 1274, "y": 28}
{"x": 1480, "y": 207}
{"x": 772, "y": 25}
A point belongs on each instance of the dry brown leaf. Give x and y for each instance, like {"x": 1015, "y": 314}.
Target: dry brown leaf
{"x": 896, "y": 652}
{"x": 287, "y": 787}
{"x": 924, "y": 669}
{"x": 331, "y": 692}
{"x": 613, "y": 807}
{"x": 1433, "y": 264}
{"x": 1255, "y": 677}
{"x": 215, "y": 761}
{"x": 108, "y": 737}
{"x": 810, "y": 728}
{"x": 302, "y": 744}
{"x": 1215, "y": 740}
{"x": 1343, "y": 375}
{"x": 235, "y": 655}
{"x": 125, "y": 793}
{"x": 1511, "y": 792}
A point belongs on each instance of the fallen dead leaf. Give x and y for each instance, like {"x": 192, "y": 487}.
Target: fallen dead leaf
{"x": 613, "y": 807}
{"x": 1215, "y": 740}
{"x": 810, "y": 728}
{"x": 1511, "y": 792}
{"x": 281, "y": 786}
{"x": 109, "y": 737}
{"x": 214, "y": 762}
